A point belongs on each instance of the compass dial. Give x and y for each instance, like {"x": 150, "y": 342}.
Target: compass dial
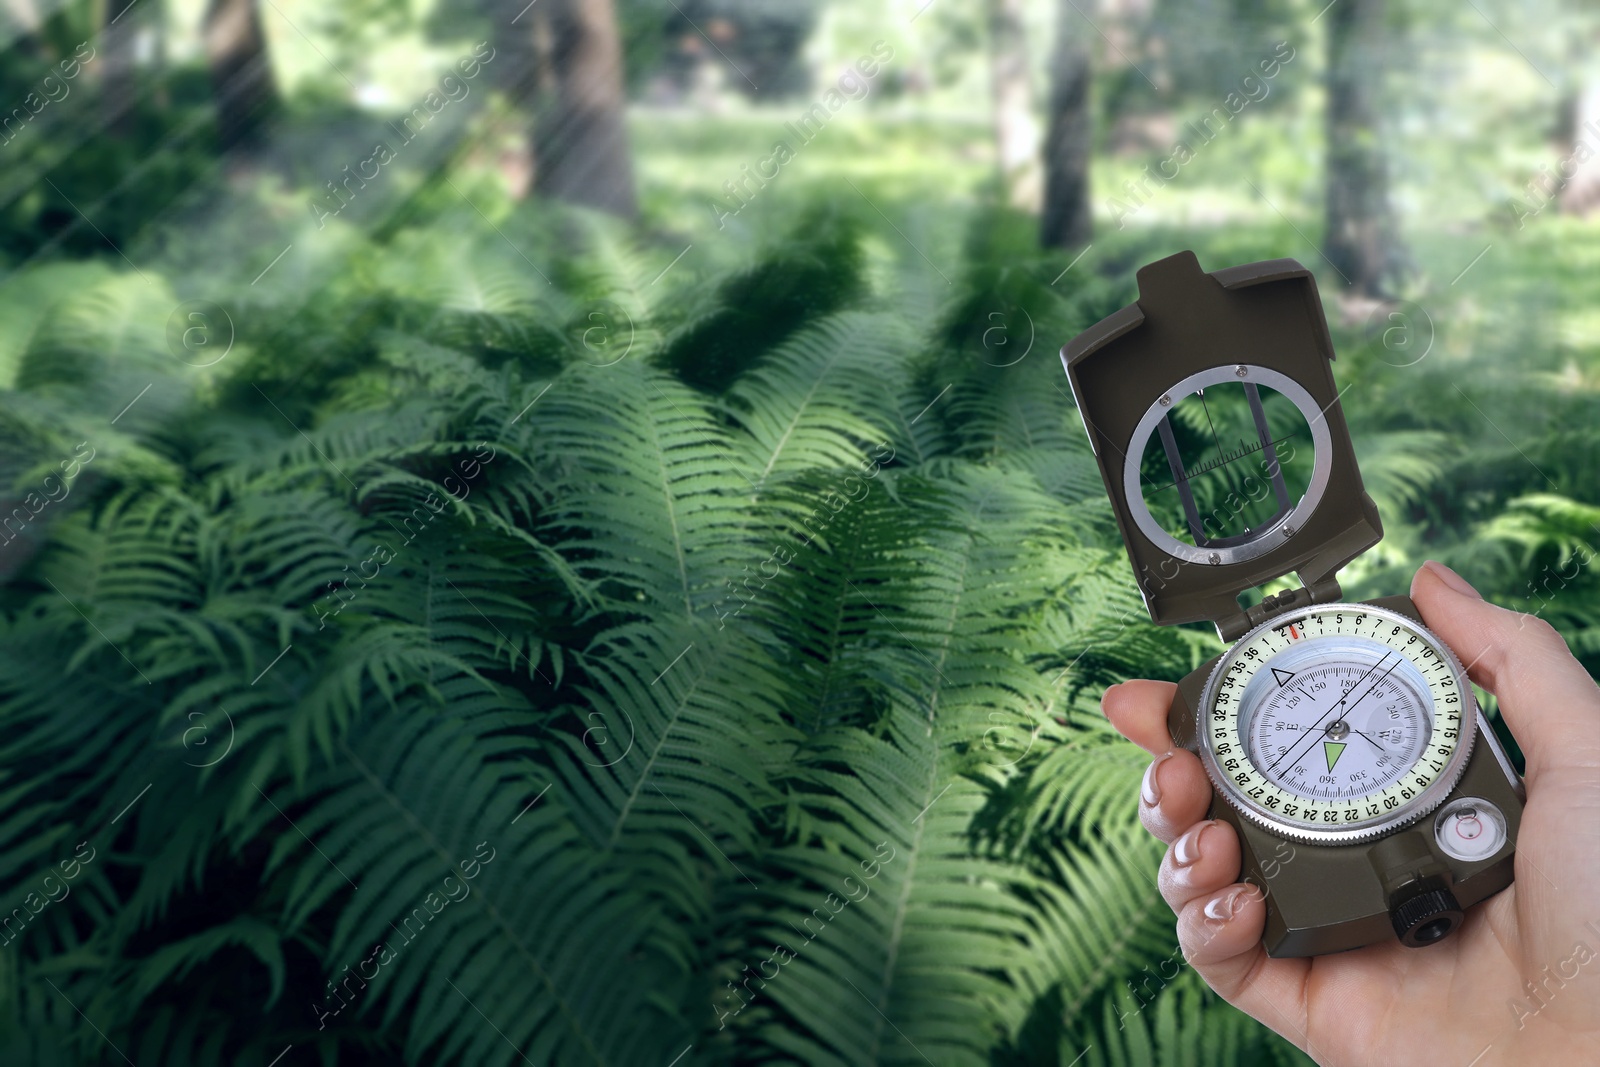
{"x": 1337, "y": 723}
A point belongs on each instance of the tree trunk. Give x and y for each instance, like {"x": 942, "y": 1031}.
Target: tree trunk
{"x": 241, "y": 70}
{"x": 20, "y": 23}
{"x": 1067, "y": 221}
{"x": 522, "y": 72}
{"x": 118, "y": 80}
{"x": 1361, "y": 240}
{"x": 580, "y": 134}
{"x": 1016, "y": 134}
{"x": 1579, "y": 168}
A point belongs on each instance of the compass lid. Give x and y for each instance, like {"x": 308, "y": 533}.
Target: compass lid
{"x": 1215, "y": 420}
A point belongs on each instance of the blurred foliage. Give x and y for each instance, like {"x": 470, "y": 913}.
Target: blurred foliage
{"x": 706, "y": 582}
{"x": 753, "y": 625}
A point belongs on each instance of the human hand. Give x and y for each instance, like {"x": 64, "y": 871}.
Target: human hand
{"x": 1519, "y": 982}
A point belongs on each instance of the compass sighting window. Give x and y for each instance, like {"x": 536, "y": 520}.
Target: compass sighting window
{"x": 1226, "y": 464}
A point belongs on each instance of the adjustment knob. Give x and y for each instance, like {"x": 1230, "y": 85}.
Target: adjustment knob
{"x": 1426, "y": 917}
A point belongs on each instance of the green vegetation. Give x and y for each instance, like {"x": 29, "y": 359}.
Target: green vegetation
{"x": 526, "y": 644}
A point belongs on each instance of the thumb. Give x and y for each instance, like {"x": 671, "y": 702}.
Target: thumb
{"x": 1547, "y": 698}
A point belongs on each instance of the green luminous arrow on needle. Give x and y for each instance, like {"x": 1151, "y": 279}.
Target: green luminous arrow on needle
{"x": 1332, "y": 750}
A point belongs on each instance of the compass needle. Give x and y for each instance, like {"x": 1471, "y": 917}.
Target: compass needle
{"x": 1282, "y": 736}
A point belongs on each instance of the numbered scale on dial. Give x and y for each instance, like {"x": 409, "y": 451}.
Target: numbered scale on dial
{"x": 1337, "y": 724}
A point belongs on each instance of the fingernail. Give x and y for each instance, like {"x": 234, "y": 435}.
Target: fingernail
{"x": 1222, "y": 908}
{"x": 1452, "y": 579}
{"x": 1150, "y": 791}
{"x": 1186, "y": 850}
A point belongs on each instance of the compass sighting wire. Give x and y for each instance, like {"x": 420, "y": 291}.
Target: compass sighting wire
{"x": 1232, "y": 457}
{"x": 1201, "y": 393}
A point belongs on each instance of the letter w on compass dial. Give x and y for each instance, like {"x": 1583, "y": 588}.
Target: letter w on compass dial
{"x": 1336, "y": 723}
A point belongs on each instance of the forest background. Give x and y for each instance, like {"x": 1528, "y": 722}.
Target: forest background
{"x": 555, "y": 532}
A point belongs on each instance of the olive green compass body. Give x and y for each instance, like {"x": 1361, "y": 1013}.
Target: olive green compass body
{"x": 1343, "y": 740}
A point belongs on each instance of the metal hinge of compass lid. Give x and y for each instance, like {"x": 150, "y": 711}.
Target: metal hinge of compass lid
{"x": 1236, "y": 626}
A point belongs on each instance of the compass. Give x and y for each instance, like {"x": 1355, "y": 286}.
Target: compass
{"x": 1343, "y": 740}
{"x": 1337, "y": 724}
